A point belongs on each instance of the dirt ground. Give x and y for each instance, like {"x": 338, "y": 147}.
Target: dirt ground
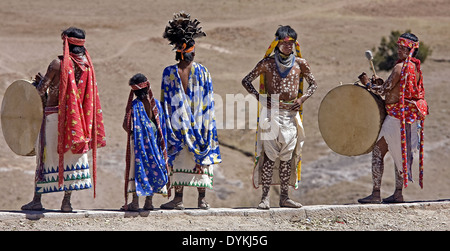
{"x": 125, "y": 38}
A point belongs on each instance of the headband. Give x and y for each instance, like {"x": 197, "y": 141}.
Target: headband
{"x": 74, "y": 40}
{"x": 407, "y": 43}
{"x": 275, "y": 43}
{"x": 288, "y": 39}
{"x": 140, "y": 86}
{"x": 183, "y": 50}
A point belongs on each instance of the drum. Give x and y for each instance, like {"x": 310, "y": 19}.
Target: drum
{"x": 21, "y": 117}
{"x": 350, "y": 119}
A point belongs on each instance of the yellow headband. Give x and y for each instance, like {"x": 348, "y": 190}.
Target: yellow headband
{"x": 275, "y": 43}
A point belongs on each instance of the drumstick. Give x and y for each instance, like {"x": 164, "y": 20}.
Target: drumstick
{"x": 370, "y": 58}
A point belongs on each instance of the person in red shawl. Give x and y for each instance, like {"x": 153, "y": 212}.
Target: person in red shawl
{"x": 72, "y": 123}
{"x": 402, "y": 129}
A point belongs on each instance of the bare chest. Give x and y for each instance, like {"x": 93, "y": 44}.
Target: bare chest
{"x": 286, "y": 87}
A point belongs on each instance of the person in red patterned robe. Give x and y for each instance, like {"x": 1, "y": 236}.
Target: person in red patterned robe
{"x": 72, "y": 123}
{"x": 402, "y": 129}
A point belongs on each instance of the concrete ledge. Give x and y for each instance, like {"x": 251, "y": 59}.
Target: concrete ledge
{"x": 301, "y": 213}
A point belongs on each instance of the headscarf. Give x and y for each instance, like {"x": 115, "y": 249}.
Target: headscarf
{"x": 80, "y": 119}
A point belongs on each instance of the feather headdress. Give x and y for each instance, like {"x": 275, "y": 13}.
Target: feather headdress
{"x": 182, "y": 30}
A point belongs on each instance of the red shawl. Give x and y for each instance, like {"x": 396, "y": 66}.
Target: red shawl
{"x": 416, "y": 108}
{"x": 80, "y": 119}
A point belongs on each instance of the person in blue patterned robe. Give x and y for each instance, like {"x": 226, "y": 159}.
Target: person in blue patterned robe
{"x": 188, "y": 103}
{"x": 146, "y": 172}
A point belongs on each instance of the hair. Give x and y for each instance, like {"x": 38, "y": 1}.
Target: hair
{"x": 411, "y": 37}
{"x": 77, "y": 33}
{"x": 137, "y": 79}
{"x": 188, "y": 56}
{"x": 183, "y": 30}
{"x": 285, "y": 31}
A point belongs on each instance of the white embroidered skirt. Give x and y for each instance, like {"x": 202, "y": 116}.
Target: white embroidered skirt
{"x": 76, "y": 166}
{"x": 183, "y": 172}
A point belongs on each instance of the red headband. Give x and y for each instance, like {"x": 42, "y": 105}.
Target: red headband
{"x": 407, "y": 43}
{"x": 140, "y": 85}
{"x": 74, "y": 40}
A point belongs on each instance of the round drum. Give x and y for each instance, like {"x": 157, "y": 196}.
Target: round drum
{"x": 21, "y": 116}
{"x": 350, "y": 119}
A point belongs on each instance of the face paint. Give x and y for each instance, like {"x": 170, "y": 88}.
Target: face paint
{"x": 286, "y": 47}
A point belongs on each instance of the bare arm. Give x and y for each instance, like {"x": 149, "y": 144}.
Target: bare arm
{"x": 247, "y": 80}
{"x": 45, "y": 81}
{"x": 393, "y": 79}
{"x": 309, "y": 77}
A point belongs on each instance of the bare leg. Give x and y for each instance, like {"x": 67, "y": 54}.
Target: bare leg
{"x": 202, "y": 204}
{"x": 65, "y": 205}
{"x": 35, "y": 204}
{"x": 378, "y": 153}
{"x": 285, "y": 174}
{"x": 266, "y": 176}
{"x": 177, "y": 202}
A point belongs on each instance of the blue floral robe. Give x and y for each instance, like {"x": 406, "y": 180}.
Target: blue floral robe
{"x": 150, "y": 170}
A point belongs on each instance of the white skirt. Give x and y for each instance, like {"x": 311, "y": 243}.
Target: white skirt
{"x": 183, "y": 172}
{"x": 76, "y": 166}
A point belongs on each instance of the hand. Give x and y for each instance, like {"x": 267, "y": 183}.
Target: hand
{"x": 377, "y": 80}
{"x": 198, "y": 169}
{"x": 37, "y": 80}
{"x": 364, "y": 78}
{"x": 297, "y": 104}
{"x": 38, "y": 77}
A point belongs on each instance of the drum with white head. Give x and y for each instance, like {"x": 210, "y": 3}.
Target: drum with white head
{"x": 350, "y": 119}
{"x": 21, "y": 117}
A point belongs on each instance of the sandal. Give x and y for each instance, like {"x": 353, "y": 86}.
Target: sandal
{"x": 33, "y": 206}
{"x": 286, "y": 202}
{"x": 148, "y": 203}
{"x": 264, "y": 204}
{"x": 130, "y": 207}
{"x": 173, "y": 205}
{"x": 370, "y": 200}
{"x": 393, "y": 199}
{"x": 66, "y": 207}
{"x": 202, "y": 204}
